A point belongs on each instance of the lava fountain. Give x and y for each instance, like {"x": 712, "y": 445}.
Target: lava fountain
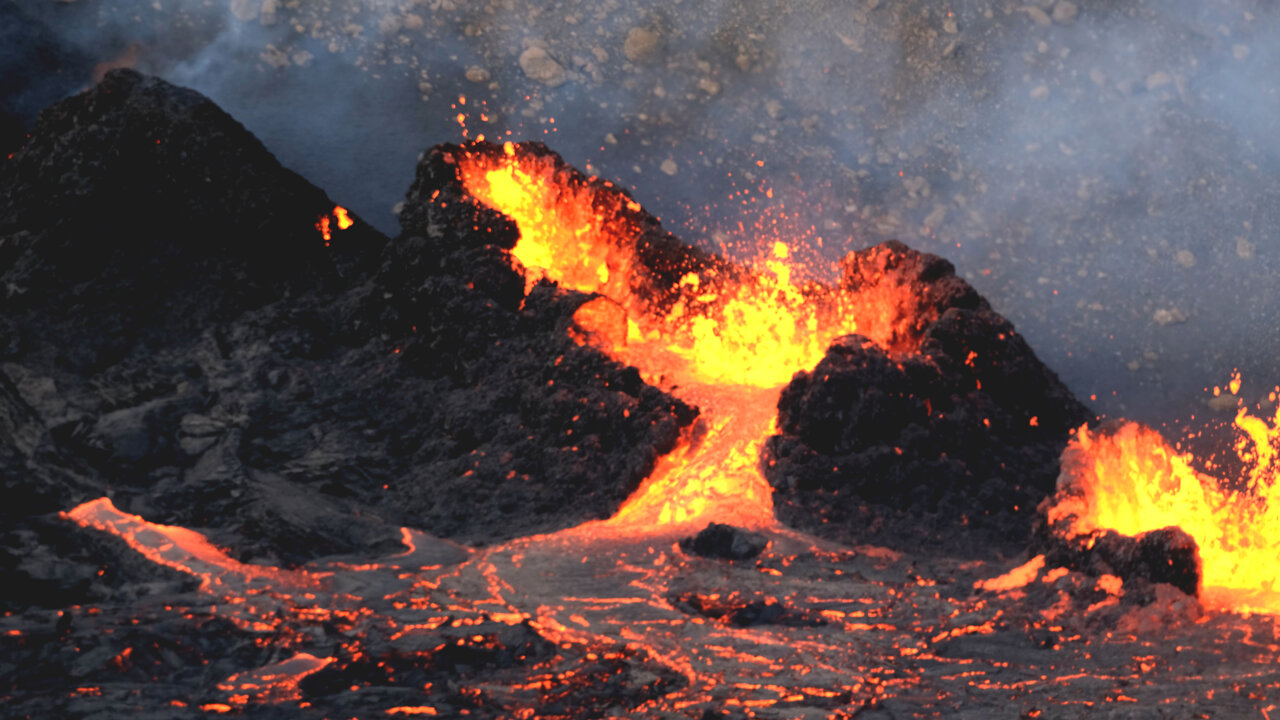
{"x": 1128, "y": 478}
{"x": 723, "y": 338}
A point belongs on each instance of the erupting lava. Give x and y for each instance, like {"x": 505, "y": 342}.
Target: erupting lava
{"x": 724, "y": 338}
{"x": 613, "y": 616}
{"x": 1128, "y": 479}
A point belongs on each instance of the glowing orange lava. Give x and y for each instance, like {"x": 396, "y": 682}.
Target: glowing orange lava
{"x": 1018, "y": 577}
{"x": 1130, "y": 480}
{"x": 343, "y": 217}
{"x": 324, "y": 225}
{"x": 726, "y": 339}
{"x": 274, "y": 683}
{"x": 179, "y": 548}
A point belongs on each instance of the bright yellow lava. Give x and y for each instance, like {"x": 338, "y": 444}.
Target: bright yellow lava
{"x": 727, "y": 340}
{"x": 1132, "y": 481}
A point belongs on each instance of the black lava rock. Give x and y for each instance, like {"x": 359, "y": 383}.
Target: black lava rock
{"x": 725, "y": 542}
{"x": 948, "y": 437}
{"x": 176, "y": 331}
{"x": 1168, "y": 555}
{"x": 12, "y": 135}
{"x": 734, "y": 609}
{"x": 139, "y": 210}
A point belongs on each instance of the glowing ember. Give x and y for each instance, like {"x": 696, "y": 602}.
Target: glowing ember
{"x": 340, "y": 216}
{"x": 1130, "y": 480}
{"x": 344, "y": 219}
{"x": 727, "y": 339}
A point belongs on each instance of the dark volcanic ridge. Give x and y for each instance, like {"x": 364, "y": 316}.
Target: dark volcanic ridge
{"x": 191, "y": 345}
{"x": 179, "y": 335}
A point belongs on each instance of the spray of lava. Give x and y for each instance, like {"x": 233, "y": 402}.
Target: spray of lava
{"x": 1130, "y": 480}
{"x": 724, "y": 339}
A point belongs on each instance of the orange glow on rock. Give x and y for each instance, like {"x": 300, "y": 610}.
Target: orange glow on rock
{"x": 322, "y": 225}
{"x": 179, "y": 548}
{"x": 601, "y": 322}
{"x": 1018, "y": 577}
{"x": 726, "y": 338}
{"x": 1127, "y": 478}
{"x": 343, "y": 217}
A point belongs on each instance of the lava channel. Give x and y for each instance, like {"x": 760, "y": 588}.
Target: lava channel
{"x": 721, "y": 337}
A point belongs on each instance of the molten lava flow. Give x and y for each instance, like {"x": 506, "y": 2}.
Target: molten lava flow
{"x": 728, "y": 340}
{"x": 179, "y": 548}
{"x": 274, "y": 683}
{"x": 715, "y": 476}
{"x": 563, "y": 234}
{"x": 1018, "y": 577}
{"x": 1131, "y": 481}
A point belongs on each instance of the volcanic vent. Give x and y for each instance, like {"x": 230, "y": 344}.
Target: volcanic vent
{"x": 1123, "y": 484}
{"x": 232, "y": 451}
{"x": 726, "y": 337}
{"x": 723, "y": 338}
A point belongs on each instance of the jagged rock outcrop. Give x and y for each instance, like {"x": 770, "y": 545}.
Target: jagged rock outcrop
{"x": 177, "y": 332}
{"x": 950, "y": 438}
